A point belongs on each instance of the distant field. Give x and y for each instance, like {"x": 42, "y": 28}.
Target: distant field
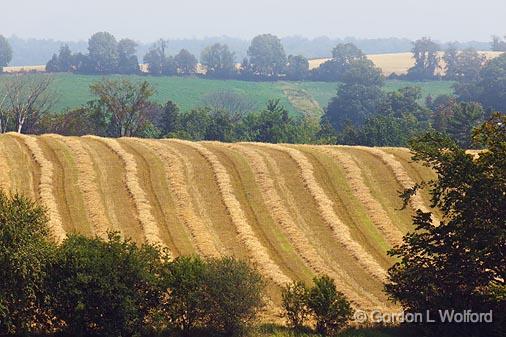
{"x": 398, "y": 63}
{"x": 298, "y": 97}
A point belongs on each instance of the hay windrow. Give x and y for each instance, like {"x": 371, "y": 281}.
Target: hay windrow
{"x": 145, "y": 215}
{"x": 256, "y": 249}
{"x": 46, "y": 191}
{"x": 401, "y": 175}
{"x": 174, "y": 168}
{"x": 87, "y": 182}
{"x": 325, "y": 206}
{"x": 298, "y": 239}
{"x": 362, "y": 192}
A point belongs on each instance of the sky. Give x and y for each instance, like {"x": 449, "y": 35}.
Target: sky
{"x": 148, "y": 20}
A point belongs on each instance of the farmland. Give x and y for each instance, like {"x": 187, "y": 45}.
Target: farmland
{"x": 294, "y": 211}
{"x": 188, "y": 92}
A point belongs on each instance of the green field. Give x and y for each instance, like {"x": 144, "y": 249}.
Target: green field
{"x": 187, "y": 92}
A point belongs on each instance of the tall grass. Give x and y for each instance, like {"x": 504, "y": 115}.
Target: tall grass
{"x": 362, "y": 192}
{"x": 401, "y": 175}
{"x": 144, "y": 211}
{"x": 257, "y": 251}
{"x": 326, "y": 208}
{"x": 87, "y": 181}
{"x": 174, "y": 171}
{"x": 46, "y": 184}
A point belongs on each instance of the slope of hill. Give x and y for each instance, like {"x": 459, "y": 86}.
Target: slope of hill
{"x": 292, "y": 210}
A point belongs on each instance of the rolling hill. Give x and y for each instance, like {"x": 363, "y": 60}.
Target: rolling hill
{"x": 292, "y": 210}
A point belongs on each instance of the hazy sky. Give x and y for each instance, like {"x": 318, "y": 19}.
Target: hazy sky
{"x": 147, "y": 20}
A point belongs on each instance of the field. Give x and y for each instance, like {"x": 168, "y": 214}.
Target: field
{"x": 294, "y": 211}
{"x": 188, "y": 92}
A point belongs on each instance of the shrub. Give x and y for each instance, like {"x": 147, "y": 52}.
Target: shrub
{"x": 295, "y": 304}
{"x": 105, "y": 288}
{"x": 185, "y": 306}
{"x": 330, "y": 308}
{"x": 24, "y": 252}
{"x": 235, "y": 293}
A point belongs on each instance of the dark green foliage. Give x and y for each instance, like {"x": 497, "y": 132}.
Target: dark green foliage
{"x": 25, "y": 252}
{"x": 465, "y": 117}
{"x": 353, "y": 103}
{"x": 218, "y": 296}
{"x": 330, "y": 308}
{"x": 63, "y": 62}
{"x": 218, "y": 60}
{"x": 295, "y": 304}
{"x": 105, "y": 288}
{"x": 169, "y": 120}
{"x": 459, "y": 264}
{"x": 186, "y": 62}
{"x": 267, "y": 58}
{"x": 103, "y": 53}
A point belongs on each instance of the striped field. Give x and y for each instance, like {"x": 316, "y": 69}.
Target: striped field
{"x": 294, "y": 211}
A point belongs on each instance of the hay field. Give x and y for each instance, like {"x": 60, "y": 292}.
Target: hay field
{"x": 397, "y": 63}
{"x": 294, "y": 211}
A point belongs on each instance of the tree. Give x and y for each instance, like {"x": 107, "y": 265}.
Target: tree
{"x": 25, "y": 252}
{"x": 450, "y": 59}
{"x": 26, "y": 99}
{"x": 218, "y": 60}
{"x": 460, "y": 263}
{"x": 331, "y": 309}
{"x": 343, "y": 57}
{"x": 159, "y": 63}
{"x": 353, "y": 103}
{"x": 186, "y": 62}
{"x": 425, "y": 53}
{"x": 127, "y": 58}
{"x": 103, "y": 53}
{"x": 297, "y": 68}
{"x": 272, "y": 124}
{"x": 63, "y": 62}
{"x": 170, "y": 119}
{"x": 236, "y": 293}
{"x": 465, "y": 117}
{"x": 5, "y": 52}
{"x": 468, "y": 66}
{"x": 294, "y": 298}
{"x": 127, "y": 103}
{"x": 105, "y": 287}
{"x": 267, "y": 56}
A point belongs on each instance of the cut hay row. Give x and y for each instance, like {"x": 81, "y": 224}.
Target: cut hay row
{"x": 46, "y": 191}
{"x": 144, "y": 212}
{"x": 401, "y": 175}
{"x": 298, "y": 239}
{"x": 174, "y": 168}
{"x": 5, "y": 181}
{"x": 87, "y": 182}
{"x": 326, "y": 207}
{"x": 362, "y": 192}
{"x": 257, "y": 251}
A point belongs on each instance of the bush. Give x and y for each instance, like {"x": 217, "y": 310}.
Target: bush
{"x": 105, "y": 288}
{"x": 330, "y": 308}
{"x": 217, "y": 296}
{"x": 295, "y": 304}
{"x": 24, "y": 253}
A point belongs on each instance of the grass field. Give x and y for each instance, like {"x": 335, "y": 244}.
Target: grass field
{"x": 188, "y": 92}
{"x": 294, "y": 211}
